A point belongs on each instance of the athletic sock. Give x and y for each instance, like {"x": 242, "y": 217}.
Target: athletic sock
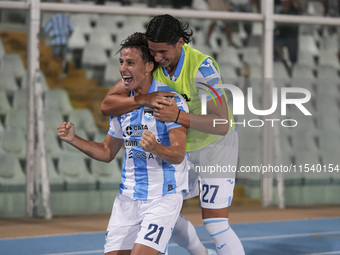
{"x": 226, "y": 241}
{"x": 184, "y": 234}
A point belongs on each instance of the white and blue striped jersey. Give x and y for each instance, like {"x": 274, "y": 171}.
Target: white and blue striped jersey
{"x": 59, "y": 28}
{"x": 144, "y": 174}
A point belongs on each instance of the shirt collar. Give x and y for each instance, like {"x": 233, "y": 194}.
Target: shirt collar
{"x": 178, "y": 67}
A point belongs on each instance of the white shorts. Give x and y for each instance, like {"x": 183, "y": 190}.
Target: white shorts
{"x": 215, "y": 167}
{"x": 145, "y": 222}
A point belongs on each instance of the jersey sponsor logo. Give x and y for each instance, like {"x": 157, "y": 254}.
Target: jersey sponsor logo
{"x": 135, "y": 130}
{"x": 186, "y": 97}
{"x": 129, "y": 143}
{"x": 148, "y": 114}
{"x": 140, "y": 155}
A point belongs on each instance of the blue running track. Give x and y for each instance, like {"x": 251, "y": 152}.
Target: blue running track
{"x": 298, "y": 237}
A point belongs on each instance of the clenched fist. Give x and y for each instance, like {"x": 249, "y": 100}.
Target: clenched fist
{"x": 66, "y": 131}
{"x": 148, "y": 141}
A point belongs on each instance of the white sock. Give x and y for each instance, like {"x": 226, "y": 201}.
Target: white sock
{"x": 226, "y": 241}
{"x": 184, "y": 234}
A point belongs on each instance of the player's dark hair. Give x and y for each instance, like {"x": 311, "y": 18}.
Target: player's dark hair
{"x": 167, "y": 29}
{"x": 139, "y": 41}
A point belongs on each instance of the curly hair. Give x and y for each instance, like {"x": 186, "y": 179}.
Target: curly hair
{"x": 167, "y": 29}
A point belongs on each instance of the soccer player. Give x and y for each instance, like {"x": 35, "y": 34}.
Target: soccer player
{"x": 155, "y": 168}
{"x": 190, "y": 73}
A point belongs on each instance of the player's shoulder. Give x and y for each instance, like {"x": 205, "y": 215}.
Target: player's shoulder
{"x": 164, "y": 88}
{"x": 207, "y": 68}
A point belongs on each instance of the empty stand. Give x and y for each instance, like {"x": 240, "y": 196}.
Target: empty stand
{"x": 58, "y": 100}
{"x": 12, "y": 177}
{"x": 17, "y": 119}
{"x": 83, "y": 119}
{"x": 108, "y": 175}
{"x": 74, "y": 172}
{"x": 14, "y": 141}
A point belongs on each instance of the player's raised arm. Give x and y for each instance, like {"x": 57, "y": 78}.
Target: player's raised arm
{"x": 105, "y": 151}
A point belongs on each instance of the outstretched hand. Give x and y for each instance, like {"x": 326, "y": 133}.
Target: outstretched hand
{"x": 66, "y": 131}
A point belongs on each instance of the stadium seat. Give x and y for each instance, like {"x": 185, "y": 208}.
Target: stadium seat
{"x": 53, "y": 119}
{"x": 12, "y": 178}
{"x": 77, "y": 40}
{"x": 304, "y": 139}
{"x": 328, "y": 73}
{"x": 304, "y": 83}
{"x": 20, "y": 99}
{"x": 326, "y": 103}
{"x": 329, "y": 141}
{"x": 252, "y": 56}
{"x": 108, "y": 175}
{"x": 329, "y": 57}
{"x": 304, "y": 72}
{"x": 228, "y": 73}
{"x": 111, "y": 73}
{"x": 13, "y": 64}
{"x": 5, "y": 106}
{"x": 110, "y": 23}
{"x": 305, "y": 59}
{"x": 58, "y": 99}
{"x": 308, "y": 44}
{"x": 8, "y": 82}
{"x": 81, "y": 22}
{"x": 83, "y": 119}
{"x": 74, "y": 172}
{"x": 230, "y": 56}
{"x": 13, "y": 141}
{"x": 53, "y": 148}
{"x": 16, "y": 118}
{"x": 44, "y": 85}
{"x": 330, "y": 42}
{"x": 94, "y": 59}
{"x": 315, "y": 8}
{"x": 101, "y": 36}
{"x": 280, "y": 71}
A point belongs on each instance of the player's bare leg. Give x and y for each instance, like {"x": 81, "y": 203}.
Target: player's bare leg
{"x": 140, "y": 249}
{"x": 127, "y": 252}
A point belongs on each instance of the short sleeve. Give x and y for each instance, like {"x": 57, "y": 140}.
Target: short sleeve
{"x": 115, "y": 128}
{"x": 207, "y": 77}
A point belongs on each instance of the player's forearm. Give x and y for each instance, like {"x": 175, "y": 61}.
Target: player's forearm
{"x": 171, "y": 154}
{"x": 92, "y": 149}
{"x": 114, "y": 105}
{"x": 204, "y": 123}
